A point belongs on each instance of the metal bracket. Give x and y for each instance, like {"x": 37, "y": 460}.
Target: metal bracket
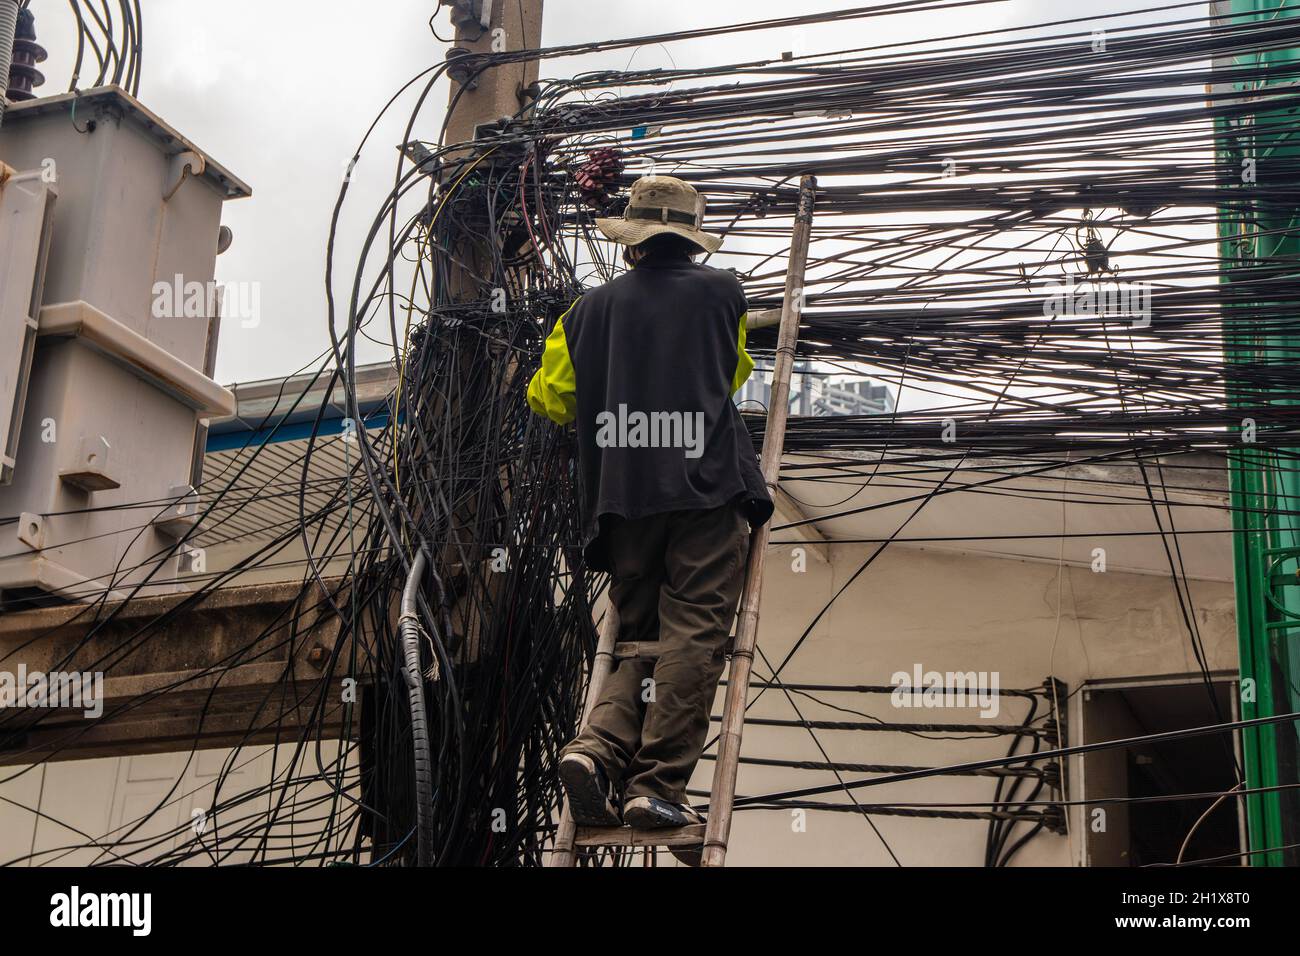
{"x": 89, "y": 469}
{"x": 31, "y": 530}
{"x": 182, "y": 515}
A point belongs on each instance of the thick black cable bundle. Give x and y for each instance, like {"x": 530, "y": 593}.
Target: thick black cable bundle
{"x": 489, "y": 491}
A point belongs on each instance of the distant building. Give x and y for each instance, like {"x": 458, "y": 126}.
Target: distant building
{"x": 817, "y": 393}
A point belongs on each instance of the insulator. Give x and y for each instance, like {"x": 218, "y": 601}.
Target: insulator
{"x": 23, "y": 75}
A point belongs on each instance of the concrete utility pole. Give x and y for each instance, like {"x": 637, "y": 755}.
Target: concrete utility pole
{"x": 481, "y": 95}
{"x": 484, "y": 27}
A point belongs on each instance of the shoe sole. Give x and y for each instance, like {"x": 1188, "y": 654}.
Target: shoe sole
{"x": 587, "y": 801}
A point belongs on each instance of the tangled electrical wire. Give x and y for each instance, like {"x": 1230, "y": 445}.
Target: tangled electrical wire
{"x": 974, "y": 195}
{"x": 109, "y": 47}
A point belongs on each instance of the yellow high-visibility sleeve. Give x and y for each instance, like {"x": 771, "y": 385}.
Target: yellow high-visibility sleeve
{"x": 744, "y": 364}
{"x": 553, "y": 392}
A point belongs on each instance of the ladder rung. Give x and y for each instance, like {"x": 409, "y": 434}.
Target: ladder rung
{"x": 636, "y": 651}
{"x": 692, "y": 835}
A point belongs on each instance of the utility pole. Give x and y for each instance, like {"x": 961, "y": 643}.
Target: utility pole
{"x": 485, "y": 96}
{"x": 481, "y": 96}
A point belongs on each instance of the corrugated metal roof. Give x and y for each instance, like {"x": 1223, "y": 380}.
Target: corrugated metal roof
{"x": 254, "y": 466}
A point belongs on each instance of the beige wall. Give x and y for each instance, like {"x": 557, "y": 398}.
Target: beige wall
{"x": 105, "y": 798}
{"x": 947, "y": 612}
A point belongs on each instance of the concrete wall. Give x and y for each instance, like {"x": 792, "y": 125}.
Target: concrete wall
{"x": 148, "y": 803}
{"x": 946, "y": 612}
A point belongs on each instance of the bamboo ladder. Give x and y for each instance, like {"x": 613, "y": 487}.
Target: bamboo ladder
{"x": 713, "y": 834}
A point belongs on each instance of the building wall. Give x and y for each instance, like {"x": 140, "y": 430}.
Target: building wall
{"x": 148, "y": 802}
{"x": 946, "y": 612}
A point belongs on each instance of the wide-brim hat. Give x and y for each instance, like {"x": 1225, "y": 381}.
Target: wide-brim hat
{"x": 660, "y": 204}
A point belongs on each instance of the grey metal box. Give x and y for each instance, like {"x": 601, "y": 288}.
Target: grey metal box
{"x": 117, "y": 389}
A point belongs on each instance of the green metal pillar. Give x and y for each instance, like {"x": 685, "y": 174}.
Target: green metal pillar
{"x": 1259, "y": 240}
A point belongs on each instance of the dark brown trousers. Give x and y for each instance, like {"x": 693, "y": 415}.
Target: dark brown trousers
{"x": 677, "y": 579}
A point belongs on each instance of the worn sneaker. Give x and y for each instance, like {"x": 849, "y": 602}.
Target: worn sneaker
{"x": 587, "y": 789}
{"x": 650, "y": 813}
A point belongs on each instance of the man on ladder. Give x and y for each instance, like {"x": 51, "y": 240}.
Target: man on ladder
{"x": 646, "y": 365}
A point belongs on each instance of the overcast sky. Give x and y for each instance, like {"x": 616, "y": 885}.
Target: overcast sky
{"x": 281, "y": 91}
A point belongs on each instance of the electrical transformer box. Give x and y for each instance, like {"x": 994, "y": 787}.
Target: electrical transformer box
{"x": 112, "y": 221}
